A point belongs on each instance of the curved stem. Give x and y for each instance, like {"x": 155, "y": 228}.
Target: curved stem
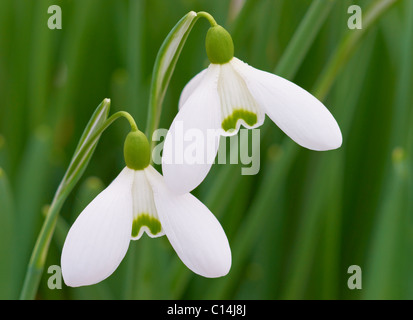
{"x": 71, "y": 177}
{"x": 206, "y": 15}
{"x": 88, "y": 145}
{"x": 128, "y": 117}
{"x": 165, "y": 62}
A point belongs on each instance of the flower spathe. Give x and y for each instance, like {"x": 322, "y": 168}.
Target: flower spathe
{"x": 225, "y": 96}
{"x": 139, "y": 201}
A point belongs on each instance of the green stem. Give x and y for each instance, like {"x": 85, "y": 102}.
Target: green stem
{"x": 160, "y": 80}
{"x": 127, "y": 116}
{"x": 75, "y": 162}
{"x": 206, "y": 15}
{"x": 38, "y": 257}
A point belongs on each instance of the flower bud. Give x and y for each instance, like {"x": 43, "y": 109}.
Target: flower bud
{"x": 219, "y": 45}
{"x": 136, "y": 151}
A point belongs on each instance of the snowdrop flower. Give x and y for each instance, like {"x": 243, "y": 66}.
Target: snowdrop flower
{"x": 230, "y": 93}
{"x": 139, "y": 201}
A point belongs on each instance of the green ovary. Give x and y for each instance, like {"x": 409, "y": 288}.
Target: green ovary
{"x": 230, "y": 122}
{"x": 145, "y": 219}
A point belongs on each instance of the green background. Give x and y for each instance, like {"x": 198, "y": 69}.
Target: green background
{"x": 294, "y": 228}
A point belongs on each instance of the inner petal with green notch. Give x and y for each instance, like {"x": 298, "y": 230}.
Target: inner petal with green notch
{"x": 145, "y": 222}
{"x": 230, "y": 123}
{"x": 237, "y": 104}
{"x": 145, "y": 216}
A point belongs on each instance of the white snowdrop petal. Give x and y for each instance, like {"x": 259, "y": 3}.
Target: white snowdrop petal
{"x": 295, "y": 111}
{"x": 98, "y": 240}
{"x": 192, "y": 141}
{"x": 145, "y": 217}
{"x": 190, "y": 87}
{"x": 193, "y": 231}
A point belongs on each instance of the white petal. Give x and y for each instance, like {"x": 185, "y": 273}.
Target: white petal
{"x": 145, "y": 217}
{"x": 298, "y": 113}
{"x": 192, "y": 142}
{"x": 237, "y": 104}
{"x": 193, "y": 231}
{"x": 190, "y": 87}
{"x": 98, "y": 240}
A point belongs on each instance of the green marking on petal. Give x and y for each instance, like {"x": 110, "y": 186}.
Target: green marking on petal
{"x": 145, "y": 219}
{"x": 230, "y": 122}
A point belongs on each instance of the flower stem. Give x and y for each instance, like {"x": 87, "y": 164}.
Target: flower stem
{"x": 128, "y": 117}
{"x": 206, "y": 15}
{"x": 38, "y": 257}
{"x": 164, "y": 66}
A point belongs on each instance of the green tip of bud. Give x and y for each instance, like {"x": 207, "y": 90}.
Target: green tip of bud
{"x": 136, "y": 151}
{"x": 219, "y": 45}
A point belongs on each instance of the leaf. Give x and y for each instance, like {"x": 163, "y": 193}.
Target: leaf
{"x": 98, "y": 118}
{"x": 86, "y": 145}
{"x": 164, "y": 66}
{"x": 6, "y": 237}
{"x": 30, "y": 184}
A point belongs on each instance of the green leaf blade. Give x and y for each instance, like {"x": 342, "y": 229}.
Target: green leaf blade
{"x": 86, "y": 145}
{"x": 164, "y": 66}
{"x": 7, "y": 218}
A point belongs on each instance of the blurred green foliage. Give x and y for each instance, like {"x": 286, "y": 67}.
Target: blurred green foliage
{"x": 296, "y": 226}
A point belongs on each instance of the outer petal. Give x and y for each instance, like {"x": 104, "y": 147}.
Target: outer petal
{"x": 298, "y": 113}
{"x": 192, "y": 141}
{"x": 190, "y": 87}
{"x": 98, "y": 240}
{"x": 193, "y": 231}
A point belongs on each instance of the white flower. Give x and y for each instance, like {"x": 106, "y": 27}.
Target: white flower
{"x": 226, "y": 95}
{"x": 139, "y": 201}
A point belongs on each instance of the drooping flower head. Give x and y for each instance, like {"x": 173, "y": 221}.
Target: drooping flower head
{"x": 230, "y": 93}
{"x": 136, "y": 202}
